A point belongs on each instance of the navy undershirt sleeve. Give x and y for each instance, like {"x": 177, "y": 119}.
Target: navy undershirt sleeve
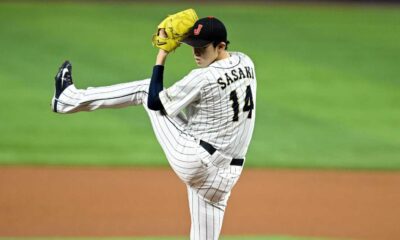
{"x": 156, "y": 86}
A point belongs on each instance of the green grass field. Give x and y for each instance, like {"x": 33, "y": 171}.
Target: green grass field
{"x": 328, "y": 82}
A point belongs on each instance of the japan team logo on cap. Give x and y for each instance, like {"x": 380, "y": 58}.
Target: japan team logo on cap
{"x": 198, "y": 29}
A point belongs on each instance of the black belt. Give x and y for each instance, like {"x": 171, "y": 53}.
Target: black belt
{"x": 211, "y": 150}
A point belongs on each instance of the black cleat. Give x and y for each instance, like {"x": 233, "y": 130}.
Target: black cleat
{"x": 63, "y": 79}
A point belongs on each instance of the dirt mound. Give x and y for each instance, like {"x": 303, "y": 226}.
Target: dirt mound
{"x": 136, "y": 202}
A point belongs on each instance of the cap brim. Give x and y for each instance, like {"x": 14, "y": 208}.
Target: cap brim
{"x": 197, "y": 43}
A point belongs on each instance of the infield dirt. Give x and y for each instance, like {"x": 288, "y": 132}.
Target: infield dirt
{"x": 56, "y": 201}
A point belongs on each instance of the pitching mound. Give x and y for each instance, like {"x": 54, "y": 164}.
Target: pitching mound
{"x": 137, "y": 202}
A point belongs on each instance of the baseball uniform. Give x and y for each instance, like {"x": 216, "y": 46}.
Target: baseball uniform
{"x": 206, "y": 146}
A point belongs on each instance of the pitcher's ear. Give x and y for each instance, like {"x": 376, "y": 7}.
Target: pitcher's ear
{"x": 222, "y": 45}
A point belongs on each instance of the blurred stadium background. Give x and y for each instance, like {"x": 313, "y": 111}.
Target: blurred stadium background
{"x": 328, "y": 81}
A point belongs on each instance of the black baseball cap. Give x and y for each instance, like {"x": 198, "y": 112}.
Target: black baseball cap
{"x": 205, "y": 31}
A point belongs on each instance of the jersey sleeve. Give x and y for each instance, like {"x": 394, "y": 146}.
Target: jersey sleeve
{"x": 177, "y": 97}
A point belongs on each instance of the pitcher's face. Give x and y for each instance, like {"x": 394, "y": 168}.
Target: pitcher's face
{"x": 206, "y": 55}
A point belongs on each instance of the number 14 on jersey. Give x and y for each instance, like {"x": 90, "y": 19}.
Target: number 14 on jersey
{"x": 248, "y": 104}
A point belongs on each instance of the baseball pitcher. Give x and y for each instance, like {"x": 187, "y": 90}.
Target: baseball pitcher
{"x": 206, "y": 147}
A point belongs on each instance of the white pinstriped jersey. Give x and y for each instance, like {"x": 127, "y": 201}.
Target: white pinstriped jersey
{"x": 220, "y": 103}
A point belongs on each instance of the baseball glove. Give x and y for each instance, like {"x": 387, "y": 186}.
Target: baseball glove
{"x": 176, "y": 27}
